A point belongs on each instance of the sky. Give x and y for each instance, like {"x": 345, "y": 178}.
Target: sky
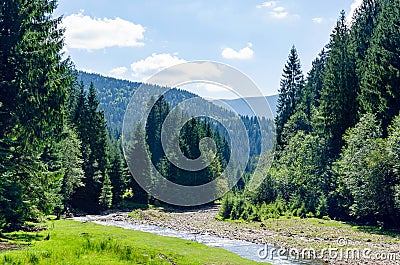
{"x": 131, "y": 39}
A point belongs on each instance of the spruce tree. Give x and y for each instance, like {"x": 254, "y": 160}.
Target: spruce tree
{"x": 140, "y": 164}
{"x": 33, "y": 89}
{"x": 92, "y": 131}
{"x": 364, "y": 22}
{"x": 117, "y": 174}
{"x": 380, "y": 81}
{"x": 291, "y": 87}
{"x": 338, "y": 103}
{"x": 313, "y": 87}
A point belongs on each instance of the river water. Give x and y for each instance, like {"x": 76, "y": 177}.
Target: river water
{"x": 248, "y": 250}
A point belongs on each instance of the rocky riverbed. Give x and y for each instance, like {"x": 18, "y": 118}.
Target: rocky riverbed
{"x": 348, "y": 245}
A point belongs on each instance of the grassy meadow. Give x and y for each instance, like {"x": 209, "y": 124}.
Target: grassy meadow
{"x": 70, "y": 242}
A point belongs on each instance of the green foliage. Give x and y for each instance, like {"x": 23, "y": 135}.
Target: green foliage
{"x": 190, "y": 141}
{"x": 114, "y": 96}
{"x": 34, "y": 88}
{"x": 338, "y": 103}
{"x": 69, "y": 157}
{"x": 381, "y": 71}
{"x": 96, "y": 190}
{"x": 291, "y": 86}
{"x": 313, "y": 87}
{"x": 138, "y": 158}
{"x": 117, "y": 175}
{"x": 322, "y": 207}
{"x": 367, "y": 169}
{"x": 337, "y": 153}
{"x": 226, "y": 206}
{"x": 106, "y": 195}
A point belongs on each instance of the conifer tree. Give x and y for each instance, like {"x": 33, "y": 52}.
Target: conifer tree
{"x": 117, "y": 174}
{"x": 380, "y": 81}
{"x": 338, "y": 104}
{"x": 92, "y": 131}
{"x": 291, "y": 87}
{"x": 33, "y": 89}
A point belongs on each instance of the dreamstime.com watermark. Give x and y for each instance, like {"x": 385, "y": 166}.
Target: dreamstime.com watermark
{"x": 341, "y": 253}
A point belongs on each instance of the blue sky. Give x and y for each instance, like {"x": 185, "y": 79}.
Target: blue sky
{"x": 135, "y": 39}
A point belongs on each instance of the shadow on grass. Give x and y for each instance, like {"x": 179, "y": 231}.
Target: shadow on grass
{"x": 22, "y": 237}
{"x": 392, "y": 232}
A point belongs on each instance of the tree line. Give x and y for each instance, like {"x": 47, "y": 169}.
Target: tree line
{"x": 60, "y": 145}
{"x": 337, "y": 129}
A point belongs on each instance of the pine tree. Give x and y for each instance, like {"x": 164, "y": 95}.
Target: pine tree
{"x": 70, "y": 158}
{"x": 154, "y": 124}
{"x": 313, "y": 87}
{"x": 338, "y": 103}
{"x": 106, "y": 195}
{"x": 364, "y": 23}
{"x": 380, "y": 81}
{"x": 291, "y": 87}
{"x": 117, "y": 174}
{"x": 92, "y": 131}
{"x": 33, "y": 89}
{"x": 139, "y": 161}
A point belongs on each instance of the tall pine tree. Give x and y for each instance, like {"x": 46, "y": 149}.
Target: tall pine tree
{"x": 292, "y": 84}
{"x": 33, "y": 89}
{"x": 95, "y": 194}
{"x": 380, "y": 83}
{"x": 338, "y": 103}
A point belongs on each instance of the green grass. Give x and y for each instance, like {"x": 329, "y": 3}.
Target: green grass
{"x": 320, "y": 234}
{"x": 87, "y": 243}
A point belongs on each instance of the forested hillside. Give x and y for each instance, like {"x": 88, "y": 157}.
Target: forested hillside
{"x": 114, "y": 96}
{"x": 60, "y": 129}
{"x": 338, "y": 129}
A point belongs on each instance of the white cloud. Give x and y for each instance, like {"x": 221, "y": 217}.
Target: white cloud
{"x": 86, "y": 70}
{"x": 279, "y": 9}
{"x": 145, "y": 68}
{"x": 318, "y": 20}
{"x": 276, "y": 11}
{"x": 84, "y": 32}
{"x": 279, "y": 15}
{"x": 356, "y": 4}
{"x": 267, "y": 4}
{"x": 242, "y": 54}
{"x": 118, "y": 72}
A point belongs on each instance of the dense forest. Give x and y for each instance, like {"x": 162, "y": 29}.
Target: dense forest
{"x": 114, "y": 96}
{"x": 60, "y": 142}
{"x": 338, "y": 129}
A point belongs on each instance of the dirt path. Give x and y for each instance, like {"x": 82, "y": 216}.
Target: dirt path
{"x": 295, "y": 233}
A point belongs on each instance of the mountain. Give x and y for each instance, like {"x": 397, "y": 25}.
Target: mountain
{"x": 115, "y": 94}
{"x": 242, "y": 105}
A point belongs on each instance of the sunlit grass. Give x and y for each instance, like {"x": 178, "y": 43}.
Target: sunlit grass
{"x": 72, "y": 242}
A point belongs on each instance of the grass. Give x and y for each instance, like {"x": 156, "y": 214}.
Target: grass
{"x": 70, "y": 242}
{"x": 319, "y": 233}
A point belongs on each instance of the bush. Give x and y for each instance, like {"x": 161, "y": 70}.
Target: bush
{"x": 238, "y": 207}
{"x": 322, "y": 208}
{"x": 310, "y": 215}
{"x": 226, "y": 206}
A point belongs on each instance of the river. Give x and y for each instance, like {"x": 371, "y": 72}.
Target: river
{"x": 248, "y": 250}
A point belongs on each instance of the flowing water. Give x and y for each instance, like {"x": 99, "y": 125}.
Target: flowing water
{"x": 244, "y": 249}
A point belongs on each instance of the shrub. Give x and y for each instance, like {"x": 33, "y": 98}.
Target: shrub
{"x": 226, "y": 206}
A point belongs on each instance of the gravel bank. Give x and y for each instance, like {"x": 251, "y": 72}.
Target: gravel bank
{"x": 298, "y": 233}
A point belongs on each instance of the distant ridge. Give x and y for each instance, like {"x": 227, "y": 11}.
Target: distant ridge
{"x": 115, "y": 94}
{"x": 242, "y": 105}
